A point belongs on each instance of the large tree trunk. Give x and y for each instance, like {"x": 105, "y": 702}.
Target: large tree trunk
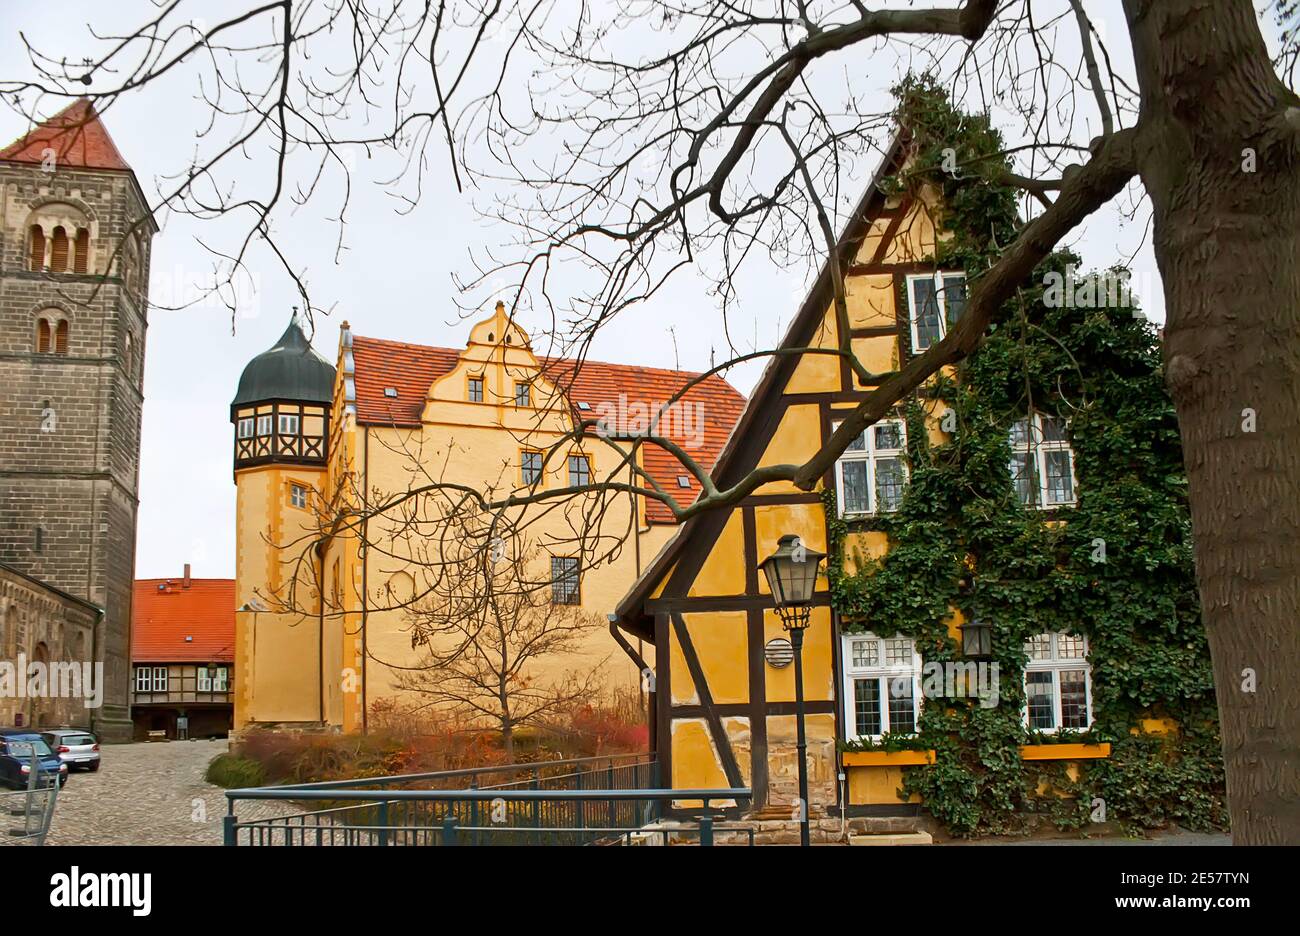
{"x": 1226, "y": 244}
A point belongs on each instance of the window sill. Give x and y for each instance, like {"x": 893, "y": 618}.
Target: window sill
{"x": 886, "y": 758}
{"x": 1064, "y": 751}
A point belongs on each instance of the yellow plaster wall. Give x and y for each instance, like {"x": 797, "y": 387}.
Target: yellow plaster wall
{"x": 797, "y": 436}
{"x": 870, "y": 300}
{"x": 818, "y": 663}
{"x": 272, "y": 684}
{"x": 719, "y": 638}
{"x": 723, "y": 572}
{"x": 772, "y": 521}
{"x": 870, "y": 786}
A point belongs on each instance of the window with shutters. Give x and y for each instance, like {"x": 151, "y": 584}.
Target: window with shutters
{"x": 81, "y": 252}
{"x": 36, "y": 256}
{"x": 61, "y": 338}
{"x": 59, "y": 250}
{"x": 44, "y": 336}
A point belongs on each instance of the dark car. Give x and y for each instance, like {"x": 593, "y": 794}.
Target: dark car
{"x": 16, "y": 747}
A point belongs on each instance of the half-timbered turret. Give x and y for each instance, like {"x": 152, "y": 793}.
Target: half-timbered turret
{"x": 281, "y": 409}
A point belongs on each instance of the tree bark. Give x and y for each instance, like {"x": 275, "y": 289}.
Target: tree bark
{"x": 1225, "y": 240}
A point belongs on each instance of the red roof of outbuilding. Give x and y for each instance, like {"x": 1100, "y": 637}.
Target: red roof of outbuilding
{"x": 77, "y": 137}
{"x": 164, "y": 613}
{"x": 701, "y": 427}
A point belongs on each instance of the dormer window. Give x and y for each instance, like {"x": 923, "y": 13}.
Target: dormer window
{"x": 476, "y": 389}
{"x": 683, "y": 481}
{"x": 390, "y": 392}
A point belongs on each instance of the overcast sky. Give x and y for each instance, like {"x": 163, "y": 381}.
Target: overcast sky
{"x": 393, "y": 281}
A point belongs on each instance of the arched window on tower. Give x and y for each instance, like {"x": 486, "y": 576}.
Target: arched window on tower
{"x": 81, "y": 257}
{"x": 61, "y": 337}
{"x": 59, "y": 250}
{"x": 44, "y": 337}
{"x": 36, "y": 258}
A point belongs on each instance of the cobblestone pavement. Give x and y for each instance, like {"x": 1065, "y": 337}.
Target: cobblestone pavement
{"x": 143, "y": 794}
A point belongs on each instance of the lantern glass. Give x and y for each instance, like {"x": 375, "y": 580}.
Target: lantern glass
{"x": 791, "y": 572}
{"x": 976, "y": 639}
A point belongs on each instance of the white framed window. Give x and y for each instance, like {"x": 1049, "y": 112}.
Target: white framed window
{"x": 221, "y": 680}
{"x": 298, "y": 496}
{"x": 245, "y": 430}
{"x": 159, "y": 681}
{"x": 1042, "y": 462}
{"x": 871, "y": 474}
{"x": 203, "y": 680}
{"x": 264, "y": 425}
{"x": 935, "y": 301}
{"x": 288, "y": 424}
{"x": 882, "y": 685}
{"x": 1058, "y": 683}
{"x": 142, "y": 679}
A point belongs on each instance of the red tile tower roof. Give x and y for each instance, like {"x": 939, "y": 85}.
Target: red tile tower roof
{"x": 175, "y": 623}
{"x": 701, "y": 428}
{"x": 75, "y": 134}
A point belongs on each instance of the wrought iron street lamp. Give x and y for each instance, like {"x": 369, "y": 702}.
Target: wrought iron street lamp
{"x": 791, "y": 574}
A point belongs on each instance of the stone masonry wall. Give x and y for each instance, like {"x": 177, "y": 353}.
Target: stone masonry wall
{"x": 70, "y": 423}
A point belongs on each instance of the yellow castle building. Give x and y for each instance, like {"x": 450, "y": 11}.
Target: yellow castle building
{"x": 344, "y": 474}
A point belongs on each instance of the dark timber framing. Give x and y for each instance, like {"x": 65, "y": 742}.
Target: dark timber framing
{"x": 655, "y": 617}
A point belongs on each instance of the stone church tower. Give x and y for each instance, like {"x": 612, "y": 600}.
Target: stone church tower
{"x": 75, "y": 235}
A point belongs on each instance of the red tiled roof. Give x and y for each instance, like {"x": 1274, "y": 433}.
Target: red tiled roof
{"x": 76, "y": 135}
{"x": 408, "y": 368}
{"x": 164, "y": 613}
{"x": 712, "y": 406}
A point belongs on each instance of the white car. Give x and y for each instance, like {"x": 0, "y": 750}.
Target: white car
{"x": 75, "y": 748}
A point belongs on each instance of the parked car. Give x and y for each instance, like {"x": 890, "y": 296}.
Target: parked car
{"x": 16, "y": 746}
{"x": 75, "y": 748}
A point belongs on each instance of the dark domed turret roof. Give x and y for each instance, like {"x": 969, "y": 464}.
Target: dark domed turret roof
{"x": 290, "y": 370}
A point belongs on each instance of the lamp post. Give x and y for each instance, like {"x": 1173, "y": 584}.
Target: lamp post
{"x": 791, "y": 574}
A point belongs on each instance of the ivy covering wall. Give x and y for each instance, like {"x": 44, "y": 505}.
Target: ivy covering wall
{"x": 962, "y": 539}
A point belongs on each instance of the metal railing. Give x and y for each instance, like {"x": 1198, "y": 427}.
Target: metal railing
{"x": 33, "y": 805}
{"x": 574, "y": 802}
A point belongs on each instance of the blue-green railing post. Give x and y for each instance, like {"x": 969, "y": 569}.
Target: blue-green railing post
{"x": 609, "y": 785}
{"x": 449, "y": 830}
{"x": 229, "y": 832}
{"x": 706, "y": 830}
{"x": 473, "y": 811}
{"x": 537, "y": 816}
{"x": 383, "y": 822}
